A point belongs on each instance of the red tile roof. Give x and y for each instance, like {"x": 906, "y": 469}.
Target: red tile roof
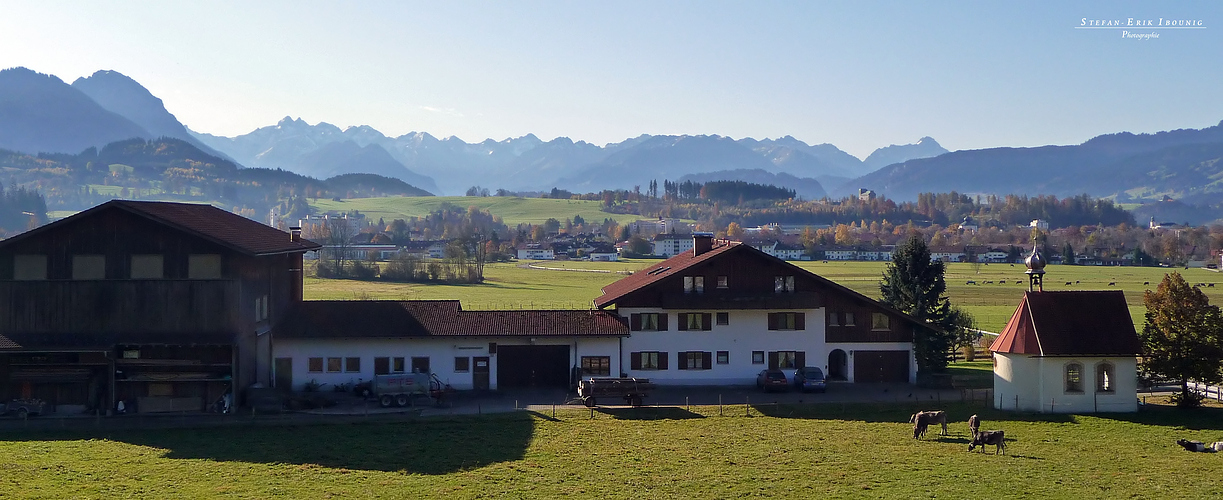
{"x": 1070, "y": 323}
{"x": 206, "y": 221}
{"x": 433, "y": 318}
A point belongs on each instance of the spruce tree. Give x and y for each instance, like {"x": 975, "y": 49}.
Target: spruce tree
{"x": 915, "y": 285}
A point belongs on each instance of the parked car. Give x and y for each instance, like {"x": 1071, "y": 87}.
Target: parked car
{"x": 771, "y": 379}
{"x": 809, "y": 378}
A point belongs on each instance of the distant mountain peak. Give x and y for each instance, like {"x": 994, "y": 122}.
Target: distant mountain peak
{"x": 925, "y": 147}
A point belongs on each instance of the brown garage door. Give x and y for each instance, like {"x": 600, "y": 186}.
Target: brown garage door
{"x": 881, "y": 366}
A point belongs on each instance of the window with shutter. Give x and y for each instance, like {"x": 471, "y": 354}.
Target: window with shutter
{"x": 382, "y": 366}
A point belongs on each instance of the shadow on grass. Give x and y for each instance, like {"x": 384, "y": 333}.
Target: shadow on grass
{"x": 957, "y": 413}
{"x": 430, "y": 447}
{"x": 1197, "y": 419}
{"x": 649, "y": 413}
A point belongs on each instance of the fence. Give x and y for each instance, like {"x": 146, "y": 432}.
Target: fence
{"x": 1209, "y": 391}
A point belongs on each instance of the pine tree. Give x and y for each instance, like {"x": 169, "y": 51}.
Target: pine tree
{"x": 915, "y": 285}
{"x": 1182, "y": 337}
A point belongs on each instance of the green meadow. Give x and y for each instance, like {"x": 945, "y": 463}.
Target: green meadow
{"x": 783, "y": 451}
{"x": 567, "y": 284}
{"x": 512, "y": 210}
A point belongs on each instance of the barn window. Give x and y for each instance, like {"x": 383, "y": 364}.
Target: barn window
{"x": 204, "y": 266}
{"x": 335, "y": 365}
{"x": 1074, "y": 377}
{"x": 880, "y": 321}
{"x": 1105, "y": 374}
{"x": 88, "y": 267}
{"x": 462, "y": 364}
{"x": 420, "y": 364}
{"x": 723, "y": 357}
{"x": 723, "y": 282}
{"x": 596, "y": 366}
{"x": 783, "y": 284}
{"x": 834, "y": 318}
{"x": 382, "y": 366}
{"x": 315, "y": 365}
{"x": 30, "y": 267}
{"x": 148, "y": 267}
{"x": 352, "y": 364}
{"x": 849, "y": 319}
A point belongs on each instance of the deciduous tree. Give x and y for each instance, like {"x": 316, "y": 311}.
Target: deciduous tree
{"x": 1182, "y": 337}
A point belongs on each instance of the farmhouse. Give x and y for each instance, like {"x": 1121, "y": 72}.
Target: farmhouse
{"x": 163, "y": 306}
{"x": 723, "y": 311}
{"x": 1067, "y": 352}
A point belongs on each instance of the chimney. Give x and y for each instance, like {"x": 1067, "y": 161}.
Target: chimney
{"x": 295, "y": 233}
{"x": 701, "y": 243}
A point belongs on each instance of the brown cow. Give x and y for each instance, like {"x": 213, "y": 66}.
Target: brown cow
{"x": 996, "y": 438}
{"x": 974, "y": 425}
{"x": 932, "y": 417}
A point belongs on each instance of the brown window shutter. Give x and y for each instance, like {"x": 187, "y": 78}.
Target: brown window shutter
{"x": 382, "y": 366}
{"x": 662, "y": 361}
{"x": 634, "y": 359}
{"x": 681, "y": 320}
{"x": 800, "y": 359}
{"x": 662, "y": 322}
{"x": 800, "y": 321}
{"x": 706, "y": 360}
{"x": 772, "y": 321}
{"x": 635, "y": 322}
{"x": 773, "y": 361}
{"x": 681, "y": 360}
{"x": 706, "y": 321}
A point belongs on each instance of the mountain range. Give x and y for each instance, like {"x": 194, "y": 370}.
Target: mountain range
{"x": 41, "y": 113}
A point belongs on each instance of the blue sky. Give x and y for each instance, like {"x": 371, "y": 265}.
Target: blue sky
{"x": 860, "y": 75}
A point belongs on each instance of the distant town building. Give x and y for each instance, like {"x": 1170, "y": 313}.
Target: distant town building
{"x": 968, "y": 224}
{"x": 865, "y": 194}
{"x": 667, "y": 245}
{"x": 536, "y": 251}
{"x": 1040, "y": 224}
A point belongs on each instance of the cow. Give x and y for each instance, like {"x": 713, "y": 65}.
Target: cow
{"x": 1200, "y": 446}
{"x": 974, "y": 425}
{"x": 919, "y": 429}
{"x": 925, "y": 418}
{"x": 996, "y": 438}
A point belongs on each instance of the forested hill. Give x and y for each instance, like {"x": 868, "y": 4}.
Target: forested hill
{"x": 172, "y": 169}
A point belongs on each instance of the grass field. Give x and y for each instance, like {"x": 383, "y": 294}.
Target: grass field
{"x": 798, "y": 451}
{"x": 512, "y": 210}
{"x": 509, "y": 287}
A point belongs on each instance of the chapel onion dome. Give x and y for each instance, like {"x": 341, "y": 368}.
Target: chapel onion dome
{"x": 1035, "y": 262}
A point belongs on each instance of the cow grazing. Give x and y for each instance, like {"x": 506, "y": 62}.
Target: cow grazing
{"x": 919, "y": 430}
{"x": 996, "y": 438}
{"x": 925, "y": 418}
{"x": 974, "y": 425}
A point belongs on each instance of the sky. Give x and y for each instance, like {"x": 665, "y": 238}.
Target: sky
{"x": 860, "y": 75}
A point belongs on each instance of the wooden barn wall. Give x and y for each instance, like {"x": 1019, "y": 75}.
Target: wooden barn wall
{"x": 172, "y": 307}
{"x": 900, "y": 330}
{"x": 745, "y": 273}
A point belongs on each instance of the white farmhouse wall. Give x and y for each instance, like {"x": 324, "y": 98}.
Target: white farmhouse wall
{"x": 1039, "y": 383}
{"x": 441, "y": 352}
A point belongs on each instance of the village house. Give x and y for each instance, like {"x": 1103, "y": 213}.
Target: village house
{"x": 161, "y": 306}
{"x": 720, "y": 313}
{"x": 667, "y": 245}
{"x": 1052, "y": 357}
{"x": 536, "y": 251}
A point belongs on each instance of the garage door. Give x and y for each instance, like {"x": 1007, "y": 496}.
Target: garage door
{"x": 881, "y": 366}
{"x": 532, "y": 366}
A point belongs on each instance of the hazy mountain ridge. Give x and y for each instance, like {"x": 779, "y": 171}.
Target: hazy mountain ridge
{"x": 40, "y": 113}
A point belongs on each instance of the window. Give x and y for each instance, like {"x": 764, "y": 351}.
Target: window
{"x": 261, "y": 308}
{"x": 398, "y": 366}
{"x": 722, "y": 282}
{"x": 352, "y": 365}
{"x": 314, "y": 365}
{"x": 382, "y": 366}
{"x": 648, "y": 360}
{"x": 694, "y": 284}
{"x": 849, "y": 319}
{"x": 700, "y": 284}
{"x": 787, "y": 321}
{"x": 724, "y": 318}
{"x": 880, "y": 321}
{"x": 88, "y": 267}
{"x": 694, "y": 321}
{"x": 148, "y": 267}
{"x": 757, "y": 357}
{"x": 335, "y": 365}
{"x": 204, "y": 266}
{"x": 420, "y": 365}
{"x": 834, "y": 318}
{"x": 1104, "y": 377}
{"x": 689, "y": 284}
{"x": 694, "y": 361}
{"x": 1074, "y": 377}
{"x": 786, "y": 359}
{"x": 30, "y": 267}
{"x": 596, "y": 366}
{"x": 783, "y": 284}
{"x": 462, "y": 364}
{"x": 649, "y": 322}
{"x": 723, "y": 357}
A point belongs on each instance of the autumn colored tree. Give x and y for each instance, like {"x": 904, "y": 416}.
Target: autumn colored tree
{"x": 1182, "y": 337}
